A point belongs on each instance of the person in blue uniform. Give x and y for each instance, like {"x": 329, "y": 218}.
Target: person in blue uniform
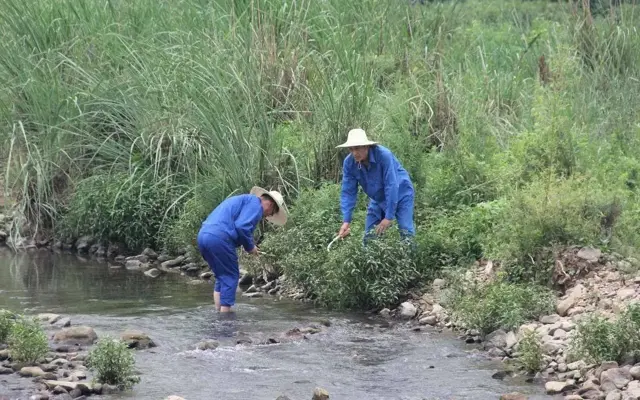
{"x": 383, "y": 179}
{"x": 231, "y": 225}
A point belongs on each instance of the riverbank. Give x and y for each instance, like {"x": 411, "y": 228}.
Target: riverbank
{"x": 597, "y": 289}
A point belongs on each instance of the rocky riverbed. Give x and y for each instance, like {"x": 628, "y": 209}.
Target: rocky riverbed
{"x": 593, "y": 284}
{"x": 63, "y": 374}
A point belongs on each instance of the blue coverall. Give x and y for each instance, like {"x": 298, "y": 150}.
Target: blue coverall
{"x": 388, "y": 186}
{"x": 229, "y": 226}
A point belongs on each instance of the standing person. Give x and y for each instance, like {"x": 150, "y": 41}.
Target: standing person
{"x": 231, "y": 225}
{"x": 384, "y": 181}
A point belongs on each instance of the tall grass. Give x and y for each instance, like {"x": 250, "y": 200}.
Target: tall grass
{"x": 483, "y": 101}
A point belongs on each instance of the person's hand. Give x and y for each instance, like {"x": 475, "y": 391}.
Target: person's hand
{"x": 345, "y": 230}
{"x": 254, "y": 251}
{"x": 383, "y": 226}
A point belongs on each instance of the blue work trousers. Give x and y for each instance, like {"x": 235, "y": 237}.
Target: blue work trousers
{"x": 404, "y": 217}
{"x": 220, "y": 253}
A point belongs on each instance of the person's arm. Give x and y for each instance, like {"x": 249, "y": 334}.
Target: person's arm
{"x": 391, "y": 186}
{"x": 246, "y": 223}
{"x": 349, "y": 193}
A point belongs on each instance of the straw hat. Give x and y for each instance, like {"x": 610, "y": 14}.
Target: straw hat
{"x": 357, "y": 137}
{"x": 279, "y": 218}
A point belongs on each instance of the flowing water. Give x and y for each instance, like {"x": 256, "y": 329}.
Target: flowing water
{"x": 355, "y": 358}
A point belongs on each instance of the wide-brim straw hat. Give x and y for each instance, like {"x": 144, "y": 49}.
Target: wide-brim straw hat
{"x": 357, "y": 137}
{"x": 279, "y": 218}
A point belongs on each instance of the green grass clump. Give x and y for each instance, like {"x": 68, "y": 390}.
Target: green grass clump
{"x": 499, "y": 305}
{"x": 530, "y": 352}
{"x": 113, "y": 363}
{"x": 599, "y": 339}
{"x": 27, "y": 340}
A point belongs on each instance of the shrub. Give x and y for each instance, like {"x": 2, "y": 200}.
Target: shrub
{"x": 543, "y": 215}
{"x": 6, "y": 322}
{"x": 27, "y": 340}
{"x": 121, "y": 208}
{"x": 598, "y": 339}
{"x": 530, "y": 350}
{"x": 498, "y": 305}
{"x": 366, "y": 277}
{"x": 350, "y": 275}
{"x": 113, "y": 363}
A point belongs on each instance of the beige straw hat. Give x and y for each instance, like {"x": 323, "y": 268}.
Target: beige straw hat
{"x": 357, "y": 137}
{"x": 279, "y": 218}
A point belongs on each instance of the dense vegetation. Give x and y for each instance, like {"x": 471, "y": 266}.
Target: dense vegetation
{"x": 517, "y": 121}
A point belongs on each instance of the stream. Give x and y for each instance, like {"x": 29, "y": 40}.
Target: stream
{"x": 354, "y": 358}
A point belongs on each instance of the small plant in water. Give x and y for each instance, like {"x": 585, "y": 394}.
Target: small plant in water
{"x": 113, "y": 363}
{"x": 530, "y": 351}
{"x": 27, "y": 340}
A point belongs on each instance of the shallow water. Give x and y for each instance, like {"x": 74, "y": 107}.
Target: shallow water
{"x": 355, "y": 358}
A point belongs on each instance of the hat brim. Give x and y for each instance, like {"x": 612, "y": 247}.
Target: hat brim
{"x": 355, "y": 144}
{"x": 279, "y": 218}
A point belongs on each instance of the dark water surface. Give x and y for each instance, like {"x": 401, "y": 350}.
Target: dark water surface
{"x": 354, "y": 358}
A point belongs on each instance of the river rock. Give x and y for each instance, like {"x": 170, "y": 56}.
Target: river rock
{"x": 550, "y": 319}
{"x": 556, "y": 387}
{"x": 511, "y": 340}
{"x": 63, "y": 322}
{"x": 633, "y": 390}
{"x": 407, "y": 310}
{"x": 429, "y": 320}
{"x": 134, "y": 265}
{"x": 48, "y": 318}
{"x": 635, "y": 372}
{"x": 39, "y": 396}
{"x": 137, "y": 339}
{"x": 614, "y": 395}
{"x": 589, "y": 254}
{"x": 580, "y": 364}
{"x": 208, "y": 344}
{"x": 497, "y": 339}
{"x": 5, "y": 371}
{"x": 173, "y": 263}
{"x": 78, "y": 335}
{"x": 573, "y": 397}
{"x": 573, "y": 296}
{"x": 283, "y": 398}
{"x": 84, "y": 387}
{"x": 615, "y": 378}
{"x": 513, "y": 396}
{"x": 153, "y": 273}
{"x": 206, "y": 275}
{"x": 31, "y": 372}
{"x": 252, "y": 295}
{"x": 320, "y": 394}
{"x": 84, "y": 243}
{"x": 591, "y": 394}
{"x": 149, "y": 253}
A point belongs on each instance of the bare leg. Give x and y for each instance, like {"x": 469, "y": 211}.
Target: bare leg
{"x": 216, "y": 300}
{"x": 225, "y": 309}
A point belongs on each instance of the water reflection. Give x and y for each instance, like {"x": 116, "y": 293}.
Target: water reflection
{"x": 65, "y": 282}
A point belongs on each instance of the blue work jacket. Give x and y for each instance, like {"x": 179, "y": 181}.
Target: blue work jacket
{"x": 384, "y": 180}
{"x": 237, "y": 217}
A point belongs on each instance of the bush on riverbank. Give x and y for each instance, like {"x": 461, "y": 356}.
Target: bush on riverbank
{"x": 113, "y": 363}
{"x": 599, "y": 339}
{"x": 497, "y": 305}
{"x": 27, "y": 340}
